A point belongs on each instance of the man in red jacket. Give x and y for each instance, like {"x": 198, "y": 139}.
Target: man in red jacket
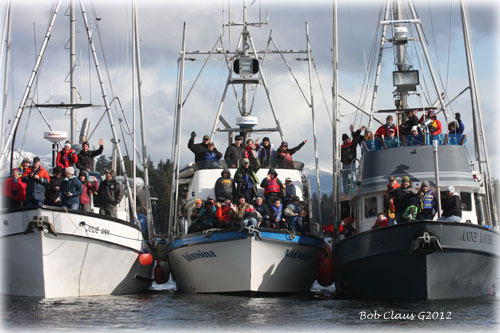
{"x": 14, "y": 191}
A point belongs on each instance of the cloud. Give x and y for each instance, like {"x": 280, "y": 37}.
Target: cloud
{"x": 161, "y": 24}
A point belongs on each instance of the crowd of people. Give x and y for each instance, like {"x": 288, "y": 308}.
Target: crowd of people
{"x": 236, "y": 203}
{"x": 206, "y": 155}
{"x": 72, "y": 185}
{"x": 403, "y": 204}
{"x": 389, "y": 134}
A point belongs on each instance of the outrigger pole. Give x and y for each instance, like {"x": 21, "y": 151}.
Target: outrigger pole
{"x": 174, "y": 190}
{"x": 311, "y": 105}
{"x": 108, "y": 109}
{"x": 336, "y": 119}
{"x": 145, "y": 156}
{"x": 481, "y": 149}
{"x": 27, "y": 91}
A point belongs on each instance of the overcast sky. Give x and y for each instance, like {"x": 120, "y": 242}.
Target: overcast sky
{"x": 160, "y": 26}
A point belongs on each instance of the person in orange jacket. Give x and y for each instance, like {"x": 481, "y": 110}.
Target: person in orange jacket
{"x": 36, "y": 179}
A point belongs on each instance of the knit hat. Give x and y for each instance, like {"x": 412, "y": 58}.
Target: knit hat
{"x": 67, "y": 144}
{"x": 368, "y": 130}
{"x": 245, "y": 160}
{"x": 70, "y": 170}
{"x": 414, "y": 128}
{"x": 425, "y": 183}
{"x": 26, "y": 160}
{"x": 284, "y": 143}
{"x": 406, "y": 179}
{"x": 451, "y": 189}
{"x": 198, "y": 201}
{"x": 206, "y": 137}
{"x": 265, "y": 139}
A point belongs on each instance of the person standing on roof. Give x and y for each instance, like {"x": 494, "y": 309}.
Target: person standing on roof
{"x": 67, "y": 157}
{"x": 86, "y": 160}
{"x": 212, "y": 157}
{"x": 235, "y": 153}
{"x": 284, "y": 155}
{"x": 199, "y": 149}
{"x": 266, "y": 152}
{"x": 435, "y": 126}
{"x": 461, "y": 126}
{"x": 412, "y": 120}
{"x": 383, "y": 131}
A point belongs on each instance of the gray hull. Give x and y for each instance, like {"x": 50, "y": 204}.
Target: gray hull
{"x": 394, "y": 263}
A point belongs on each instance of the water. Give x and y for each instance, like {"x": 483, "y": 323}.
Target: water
{"x": 165, "y": 309}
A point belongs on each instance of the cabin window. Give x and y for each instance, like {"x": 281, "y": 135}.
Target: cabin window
{"x": 466, "y": 199}
{"x": 371, "y": 207}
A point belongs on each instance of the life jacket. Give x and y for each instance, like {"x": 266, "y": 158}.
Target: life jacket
{"x": 411, "y": 209}
{"x": 287, "y": 159}
{"x": 278, "y": 211}
{"x": 272, "y": 186}
{"x": 210, "y": 156}
{"x": 427, "y": 201}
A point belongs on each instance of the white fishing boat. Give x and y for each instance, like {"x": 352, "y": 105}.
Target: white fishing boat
{"x": 426, "y": 258}
{"x": 240, "y": 259}
{"x": 57, "y": 252}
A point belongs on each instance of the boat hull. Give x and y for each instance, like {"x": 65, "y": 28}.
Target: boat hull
{"x": 387, "y": 263}
{"x": 239, "y": 262}
{"x": 68, "y": 254}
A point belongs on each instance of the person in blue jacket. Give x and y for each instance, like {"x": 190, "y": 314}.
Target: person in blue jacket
{"x": 71, "y": 188}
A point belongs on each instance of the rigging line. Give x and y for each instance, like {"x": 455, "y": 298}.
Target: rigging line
{"x": 290, "y": 70}
{"x": 26, "y": 129}
{"x": 369, "y": 72}
{"x": 449, "y": 48}
{"x": 262, "y": 67}
{"x": 322, "y": 93}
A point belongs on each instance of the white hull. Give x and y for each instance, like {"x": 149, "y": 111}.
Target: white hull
{"x": 231, "y": 262}
{"x": 90, "y": 255}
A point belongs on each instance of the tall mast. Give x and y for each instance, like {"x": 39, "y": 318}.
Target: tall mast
{"x": 481, "y": 149}
{"x": 72, "y": 63}
{"x": 143, "y": 130}
{"x": 336, "y": 119}
{"x": 31, "y": 79}
{"x": 8, "y": 31}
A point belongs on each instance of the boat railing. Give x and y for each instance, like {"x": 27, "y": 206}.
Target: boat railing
{"x": 413, "y": 140}
{"x": 222, "y": 164}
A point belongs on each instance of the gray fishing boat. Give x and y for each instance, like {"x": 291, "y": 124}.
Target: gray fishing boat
{"x": 423, "y": 259}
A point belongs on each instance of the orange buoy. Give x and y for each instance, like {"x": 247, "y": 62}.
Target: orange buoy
{"x": 325, "y": 267}
{"x": 161, "y": 272}
{"x": 145, "y": 259}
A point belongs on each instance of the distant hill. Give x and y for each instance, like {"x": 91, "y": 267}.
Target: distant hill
{"x": 325, "y": 179}
{"x": 45, "y": 161}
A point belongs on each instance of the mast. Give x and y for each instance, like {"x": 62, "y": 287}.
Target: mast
{"x": 336, "y": 119}
{"x": 481, "y": 150}
{"x": 8, "y": 31}
{"x": 174, "y": 190}
{"x": 31, "y": 79}
{"x": 108, "y": 108}
{"x": 72, "y": 63}
{"x": 145, "y": 157}
{"x": 379, "y": 64}
{"x": 316, "y": 159}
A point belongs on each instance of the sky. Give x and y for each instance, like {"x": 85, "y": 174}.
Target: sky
{"x": 160, "y": 29}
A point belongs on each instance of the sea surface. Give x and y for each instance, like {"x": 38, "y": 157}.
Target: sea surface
{"x": 164, "y": 309}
